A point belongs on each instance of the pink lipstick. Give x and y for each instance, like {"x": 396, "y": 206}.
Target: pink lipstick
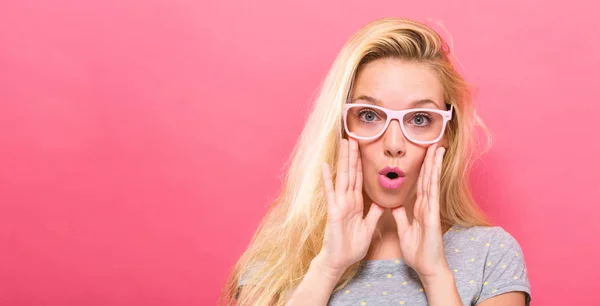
{"x": 391, "y": 177}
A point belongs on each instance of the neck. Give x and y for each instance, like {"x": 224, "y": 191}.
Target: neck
{"x": 387, "y": 246}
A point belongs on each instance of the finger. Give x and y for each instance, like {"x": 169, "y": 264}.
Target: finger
{"x": 422, "y": 185}
{"x": 434, "y": 195}
{"x": 420, "y": 181}
{"x": 358, "y": 185}
{"x": 401, "y": 219}
{"x": 341, "y": 179}
{"x": 420, "y": 192}
{"x": 327, "y": 182}
{"x": 359, "y": 173}
{"x": 375, "y": 212}
{"x": 429, "y": 158}
{"x": 353, "y": 147}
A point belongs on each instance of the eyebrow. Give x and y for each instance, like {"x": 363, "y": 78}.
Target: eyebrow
{"x": 414, "y": 104}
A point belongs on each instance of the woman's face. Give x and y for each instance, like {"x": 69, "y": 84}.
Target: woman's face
{"x": 396, "y": 85}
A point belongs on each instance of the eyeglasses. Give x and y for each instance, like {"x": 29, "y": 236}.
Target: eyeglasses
{"x": 419, "y": 125}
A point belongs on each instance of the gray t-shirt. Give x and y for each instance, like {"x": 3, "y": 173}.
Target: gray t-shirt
{"x": 486, "y": 261}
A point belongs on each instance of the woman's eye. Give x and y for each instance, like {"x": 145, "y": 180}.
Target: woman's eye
{"x": 420, "y": 120}
{"x": 368, "y": 116}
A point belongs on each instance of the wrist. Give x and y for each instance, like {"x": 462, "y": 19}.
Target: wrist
{"x": 440, "y": 288}
{"x": 319, "y": 264}
{"x": 442, "y": 277}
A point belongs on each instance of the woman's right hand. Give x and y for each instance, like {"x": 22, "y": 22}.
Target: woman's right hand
{"x": 347, "y": 234}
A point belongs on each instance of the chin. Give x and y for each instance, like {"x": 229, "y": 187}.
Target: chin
{"x": 390, "y": 204}
{"x": 385, "y": 199}
{"x": 388, "y": 198}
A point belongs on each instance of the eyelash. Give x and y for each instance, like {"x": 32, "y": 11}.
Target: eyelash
{"x": 424, "y": 115}
{"x": 363, "y": 111}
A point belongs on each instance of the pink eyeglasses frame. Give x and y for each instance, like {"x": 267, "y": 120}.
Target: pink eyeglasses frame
{"x": 398, "y": 115}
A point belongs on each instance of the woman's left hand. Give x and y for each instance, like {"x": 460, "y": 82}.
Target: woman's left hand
{"x": 421, "y": 242}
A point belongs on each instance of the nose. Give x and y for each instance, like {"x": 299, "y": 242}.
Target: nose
{"x": 394, "y": 142}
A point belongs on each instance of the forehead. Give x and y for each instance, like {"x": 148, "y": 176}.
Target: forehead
{"x": 398, "y": 84}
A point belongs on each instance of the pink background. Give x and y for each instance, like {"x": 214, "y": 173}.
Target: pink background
{"x": 140, "y": 141}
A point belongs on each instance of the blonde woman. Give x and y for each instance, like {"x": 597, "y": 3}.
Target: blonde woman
{"x": 376, "y": 208}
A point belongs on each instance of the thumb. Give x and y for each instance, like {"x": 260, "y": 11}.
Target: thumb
{"x": 401, "y": 219}
{"x": 375, "y": 212}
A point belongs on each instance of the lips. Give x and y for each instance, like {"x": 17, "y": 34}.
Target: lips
{"x": 387, "y": 170}
{"x": 391, "y": 177}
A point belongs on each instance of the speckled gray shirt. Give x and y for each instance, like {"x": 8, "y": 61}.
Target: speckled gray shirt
{"x": 486, "y": 261}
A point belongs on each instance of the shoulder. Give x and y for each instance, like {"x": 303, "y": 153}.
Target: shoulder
{"x": 496, "y": 256}
{"x": 482, "y": 242}
{"x": 489, "y": 235}
{"x": 500, "y": 240}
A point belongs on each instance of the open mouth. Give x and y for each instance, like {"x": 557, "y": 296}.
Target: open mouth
{"x": 392, "y": 175}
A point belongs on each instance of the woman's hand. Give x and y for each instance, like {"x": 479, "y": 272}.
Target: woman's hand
{"x": 347, "y": 234}
{"x": 421, "y": 242}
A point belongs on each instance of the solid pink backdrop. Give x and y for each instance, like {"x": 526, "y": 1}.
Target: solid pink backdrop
{"x": 141, "y": 141}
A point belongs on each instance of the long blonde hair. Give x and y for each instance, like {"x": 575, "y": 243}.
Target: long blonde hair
{"x": 291, "y": 233}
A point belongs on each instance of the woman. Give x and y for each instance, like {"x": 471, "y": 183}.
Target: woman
{"x": 396, "y": 120}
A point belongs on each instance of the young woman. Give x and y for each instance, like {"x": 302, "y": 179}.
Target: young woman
{"x": 376, "y": 207}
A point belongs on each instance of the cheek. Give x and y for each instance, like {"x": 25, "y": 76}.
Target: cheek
{"x": 416, "y": 168}
{"x": 414, "y": 163}
{"x": 444, "y": 142}
{"x": 369, "y": 164}
{"x": 368, "y": 156}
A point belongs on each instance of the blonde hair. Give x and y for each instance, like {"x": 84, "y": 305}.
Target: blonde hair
{"x": 291, "y": 234}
